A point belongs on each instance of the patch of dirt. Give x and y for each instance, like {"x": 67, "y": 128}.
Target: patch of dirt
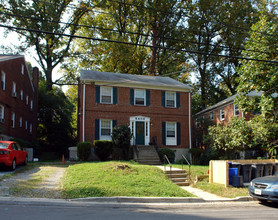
{"x": 49, "y": 183}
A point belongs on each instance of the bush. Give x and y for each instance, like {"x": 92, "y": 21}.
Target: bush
{"x": 103, "y": 149}
{"x": 169, "y": 153}
{"x": 121, "y": 136}
{"x": 195, "y": 154}
{"x": 208, "y": 155}
{"x": 84, "y": 150}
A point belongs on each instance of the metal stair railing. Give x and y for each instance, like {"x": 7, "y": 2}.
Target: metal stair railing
{"x": 165, "y": 159}
{"x": 187, "y": 164}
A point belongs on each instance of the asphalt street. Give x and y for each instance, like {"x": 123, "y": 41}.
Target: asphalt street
{"x": 67, "y": 210}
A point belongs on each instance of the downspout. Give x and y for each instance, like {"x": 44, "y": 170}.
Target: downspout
{"x": 189, "y": 121}
{"x": 83, "y": 119}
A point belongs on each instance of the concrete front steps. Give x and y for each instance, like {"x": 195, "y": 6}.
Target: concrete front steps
{"x": 178, "y": 176}
{"x": 148, "y": 155}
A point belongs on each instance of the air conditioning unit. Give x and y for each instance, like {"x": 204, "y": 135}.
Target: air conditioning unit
{"x": 14, "y": 94}
{"x": 2, "y": 120}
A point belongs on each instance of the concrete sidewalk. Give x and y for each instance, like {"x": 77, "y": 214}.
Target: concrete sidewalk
{"x": 206, "y": 196}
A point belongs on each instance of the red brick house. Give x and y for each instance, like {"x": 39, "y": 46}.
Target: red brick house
{"x": 221, "y": 112}
{"x": 18, "y": 99}
{"x": 153, "y": 107}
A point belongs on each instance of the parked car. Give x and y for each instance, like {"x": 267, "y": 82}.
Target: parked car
{"x": 264, "y": 188}
{"x": 11, "y": 154}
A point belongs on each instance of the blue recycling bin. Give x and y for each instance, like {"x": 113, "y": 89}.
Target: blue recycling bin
{"x": 232, "y": 172}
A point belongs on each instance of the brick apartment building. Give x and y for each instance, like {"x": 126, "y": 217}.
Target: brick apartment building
{"x": 18, "y": 99}
{"x": 221, "y": 112}
{"x": 152, "y": 106}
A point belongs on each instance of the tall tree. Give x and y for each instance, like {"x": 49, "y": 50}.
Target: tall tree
{"x": 261, "y": 76}
{"x": 137, "y": 23}
{"x": 36, "y": 21}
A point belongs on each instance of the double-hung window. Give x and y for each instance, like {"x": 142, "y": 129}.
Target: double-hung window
{"x": 170, "y": 98}
{"x": 222, "y": 114}
{"x": 31, "y": 105}
{"x": 106, "y": 94}
{"x": 3, "y": 81}
{"x": 105, "y": 129}
{"x": 236, "y": 110}
{"x": 14, "y": 94}
{"x": 20, "y": 122}
{"x": 2, "y": 109}
{"x": 21, "y": 95}
{"x": 139, "y": 97}
{"x": 22, "y": 69}
{"x": 171, "y": 133}
{"x": 13, "y": 120}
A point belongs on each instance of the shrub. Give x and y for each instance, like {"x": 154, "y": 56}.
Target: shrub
{"x": 195, "y": 154}
{"x": 121, "y": 136}
{"x": 84, "y": 150}
{"x": 169, "y": 153}
{"x": 103, "y": 149}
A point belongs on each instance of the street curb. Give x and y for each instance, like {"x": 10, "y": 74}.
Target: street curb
{"x": 125, "y": 199}
{"x": 117, "y": 200}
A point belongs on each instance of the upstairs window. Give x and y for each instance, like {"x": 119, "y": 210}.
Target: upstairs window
{"x": 106, "y": 94}
{"x": 170, "y": 99}
{"x": 26, "y": 125}
{"x": 236, "y": 110}
{"x": 139, "y": 97}
{"x": 31, "y": 105}
{"x": 222, "y": 114}
{"x": 22, "y": 69}
{"x": 27, "y": 100}
{"x": 14, "y": 94}
{"x": 20, "y": 122}
{"x": 21, "y": 95}
{"x": 31, "y": 128}
{"x": 3, "y": 81}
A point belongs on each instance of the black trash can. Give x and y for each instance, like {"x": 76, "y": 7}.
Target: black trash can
{"x": 268, "y": 167}
{"x": 246, "y": 172}
{"x": 237, "y": 181}
{"x": 275, "y": 168}
{"x": 236, "y": 165}
{"x": 257, "y": 170}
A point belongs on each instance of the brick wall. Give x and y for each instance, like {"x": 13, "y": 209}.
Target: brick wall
{"x": 13, "y": 70}
{"x": 123, "y": 110}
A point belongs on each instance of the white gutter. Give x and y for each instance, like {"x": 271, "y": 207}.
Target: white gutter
{"x": 189, "y": 121}
{"x": 83, "y": 119}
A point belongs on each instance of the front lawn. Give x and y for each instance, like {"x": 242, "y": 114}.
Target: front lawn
{"x": 108, "y": 179}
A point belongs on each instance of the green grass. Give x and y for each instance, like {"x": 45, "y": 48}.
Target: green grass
{"x": 108, "y": 179}
{"x": 221, "y": 190}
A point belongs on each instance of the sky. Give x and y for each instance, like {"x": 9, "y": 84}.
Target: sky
{"x": 12, "y": 39}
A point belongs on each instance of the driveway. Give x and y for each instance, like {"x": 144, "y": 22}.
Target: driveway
{"x": 41, "y": 181}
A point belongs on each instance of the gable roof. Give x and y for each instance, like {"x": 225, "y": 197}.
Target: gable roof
{"x": 140, "y": 81}
{"x": 226, "y": 102}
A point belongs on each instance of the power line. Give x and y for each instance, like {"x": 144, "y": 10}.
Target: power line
{"x": 134, "y": 44}
{"x": 127, "y": 32}
{"x": 174, "y": 13}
